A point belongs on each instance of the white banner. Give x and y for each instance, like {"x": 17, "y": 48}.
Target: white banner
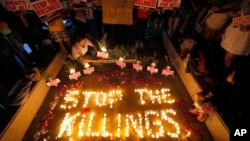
{"x": 44, "y": 7}
{"x": 16, "y": 5}
{"x": 169, "y": 3}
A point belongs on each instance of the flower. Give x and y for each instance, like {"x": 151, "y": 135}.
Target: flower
{"x": 208, "y": 107}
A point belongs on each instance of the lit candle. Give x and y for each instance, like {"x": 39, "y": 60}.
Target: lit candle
{"x": 72, "y": 70}
{"x": 167, "y": 71}
{"x": 137, "y": 66}
{"x": 86, "y": 65}
{"x": 53, "y": 82}
{"x": 152, "y": 68}
{"x": 121, "y": 63}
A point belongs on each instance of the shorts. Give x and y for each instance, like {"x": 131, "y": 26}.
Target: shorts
{"x": 59, "y": 36}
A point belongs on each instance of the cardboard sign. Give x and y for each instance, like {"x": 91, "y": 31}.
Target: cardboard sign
{"x": 88, "y": 70}
{"x": 167, "y": 72}
{"x": 53, "y": 82}
{"x": 45, "y": 7}
{"x": 169, "y": 3}
{"x": 242, "y": 20}
{"x": 16, "y": 5}
{"x": 74, "y": 75}
{"x": 152, "y": 69}
{"x": 137, "y": 67}
{"x": 117, "y": 12}
{"x": 146, "y": 3}
{"x": 102, "y": 54}
{"x": 121, "y": 64}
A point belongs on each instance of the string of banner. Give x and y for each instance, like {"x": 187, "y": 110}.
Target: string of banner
{"x": 74, "y": 75}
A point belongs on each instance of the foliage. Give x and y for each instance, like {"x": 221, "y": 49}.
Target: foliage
{"x": 122, "y": 51}
{"x": 147, "y": 60}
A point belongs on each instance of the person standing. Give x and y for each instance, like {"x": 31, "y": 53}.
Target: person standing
{"x": 78, "y": 17}
{"x": 91, "y": 22}
{"x": 142, "y": 15}
{"x": 15, "y": 42}
{"x": 236, "y": 39}
{"x": 58, "y": 31}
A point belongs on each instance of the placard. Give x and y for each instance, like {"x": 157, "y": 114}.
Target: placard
{"x": 242, "y": 20}
{"x": 45, "y": 7}
{"x": 117, "y": 12}
{"x": 146, "y": 3}
{"x": 169, "y": 3}
{"x": 16, "y": 5}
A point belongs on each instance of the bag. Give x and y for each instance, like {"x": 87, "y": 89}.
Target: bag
{"x": 200, "y": 26}
{"x": 201, "y": 65}
{"x": 197, "y": 63}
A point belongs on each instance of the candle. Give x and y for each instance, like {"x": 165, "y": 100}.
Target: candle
{"x": 152, "y": 68}
{"x": 102, "y": 54}
{"x": 88, "y": 70}
{"x": 137, "y": 66}
{"x": 53, "y": 82}
{"x": 74, "y": 75}
{"x": 167, "y": 71}
{"x": 72, "y": 70}
{"x": 121, "y": 63}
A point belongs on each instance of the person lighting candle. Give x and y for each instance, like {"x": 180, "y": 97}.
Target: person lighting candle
{"x": 84, "y": 50}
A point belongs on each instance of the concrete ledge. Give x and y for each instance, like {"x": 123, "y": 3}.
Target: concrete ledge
{"x": 20, "y": 123}
{"x": 214, "y": 123}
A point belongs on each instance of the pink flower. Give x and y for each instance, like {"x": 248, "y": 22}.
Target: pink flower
{"x": 207, "y": 107}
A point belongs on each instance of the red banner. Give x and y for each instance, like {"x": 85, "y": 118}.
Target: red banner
{"x": 243, "y": 20}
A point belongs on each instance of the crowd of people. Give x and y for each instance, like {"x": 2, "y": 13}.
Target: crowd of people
{"x": 221, "y": 52}
{"x": 225, "y": 46}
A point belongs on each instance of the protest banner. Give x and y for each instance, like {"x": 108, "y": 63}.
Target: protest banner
{"x": 44, "y": 7}
{"x": 169, "y": 3}
{"x": 117, "y": 12}
{"x": 145, "y": 3}
{"x": 242, "y": 20}
{"x": 16, "y": 5}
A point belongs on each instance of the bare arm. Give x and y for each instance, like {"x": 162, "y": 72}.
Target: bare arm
{"x": 84, "y": 59}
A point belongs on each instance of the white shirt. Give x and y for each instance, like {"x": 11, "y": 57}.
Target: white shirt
{"x": 78, "y": 50}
